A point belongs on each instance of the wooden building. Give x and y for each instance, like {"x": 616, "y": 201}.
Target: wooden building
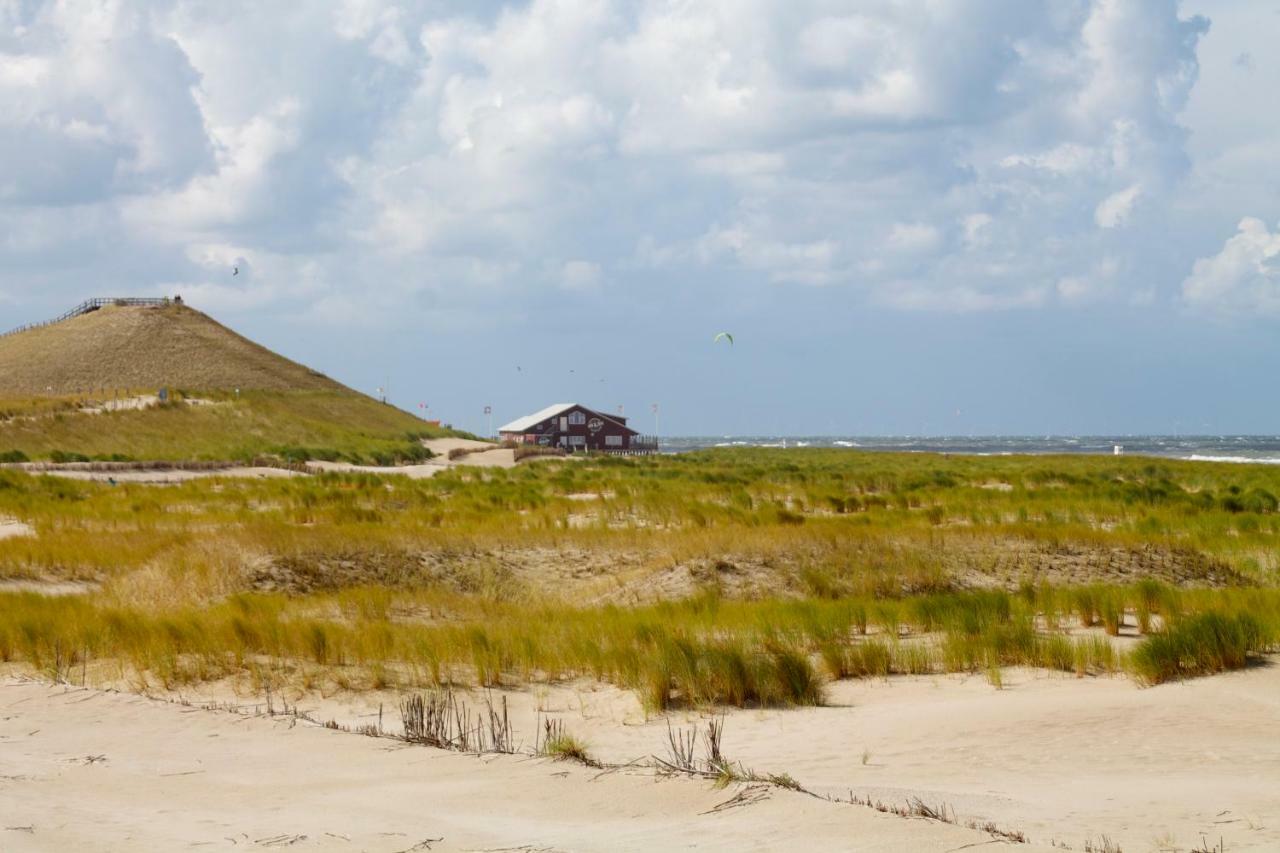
{"x": 575, "y": 428}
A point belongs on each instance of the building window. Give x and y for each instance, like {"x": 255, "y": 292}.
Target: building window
{"x": 577, "y": 440}
{"x": 613, "y": 441}
{"x": 577, "y": 419}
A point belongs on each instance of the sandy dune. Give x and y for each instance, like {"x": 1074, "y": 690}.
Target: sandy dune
{"x": 91, "y": 771}
{"x": 442, "y": 446}
{"x": 1058, "y": 758}
{"x": 486, "y": 455}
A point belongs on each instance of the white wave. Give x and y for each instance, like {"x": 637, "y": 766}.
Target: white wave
{"x": 1254, "y": 460}
{"x": 839, "y": 443}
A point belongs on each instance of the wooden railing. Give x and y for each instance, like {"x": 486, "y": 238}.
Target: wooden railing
{"x": 89, "y": 306}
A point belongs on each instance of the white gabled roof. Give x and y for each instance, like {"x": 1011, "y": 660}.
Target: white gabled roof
{"x": 522, "y": 424}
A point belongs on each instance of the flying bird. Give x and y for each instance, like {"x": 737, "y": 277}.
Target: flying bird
{"x": 723, "y": 336}
{"x": 235, "y": 271}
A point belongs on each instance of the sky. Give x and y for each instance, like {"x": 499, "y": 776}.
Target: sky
{"x": 942, "y": 217}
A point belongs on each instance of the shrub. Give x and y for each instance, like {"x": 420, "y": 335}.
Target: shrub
{"x": 13, "y": 456}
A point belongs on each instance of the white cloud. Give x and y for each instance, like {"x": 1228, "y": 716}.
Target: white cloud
{"x": 953, "y": 154}
{"x": 1113, "y": 211}
{"x": 1242, "y": 278}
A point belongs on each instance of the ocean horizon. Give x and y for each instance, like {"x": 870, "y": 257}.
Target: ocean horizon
{"x": 1200, "y": 448}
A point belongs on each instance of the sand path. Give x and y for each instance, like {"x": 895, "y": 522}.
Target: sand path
{"x": 91, "y": 771}
{"x": 168, "y": 476}
{"x": 484, "y": 455}
{"x": 489, "y": 455}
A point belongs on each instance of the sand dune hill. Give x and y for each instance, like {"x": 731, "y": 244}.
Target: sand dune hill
{"x": 130, "y": 347}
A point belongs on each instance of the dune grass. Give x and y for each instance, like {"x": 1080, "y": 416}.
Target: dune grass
{"x": 1202, "y": 644}
{"x": 699, "y": 652}
{"x": 223, "y": 426}
{"x": 1068, "y": 521}
{"x": 395, "y": 582}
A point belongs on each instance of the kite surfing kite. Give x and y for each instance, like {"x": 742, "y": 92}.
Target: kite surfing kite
{"x": 723, "y": 336}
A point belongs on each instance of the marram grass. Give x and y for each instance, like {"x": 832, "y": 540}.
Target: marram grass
{"x": 700, "y": 652}
{"x": 861, "y": 561}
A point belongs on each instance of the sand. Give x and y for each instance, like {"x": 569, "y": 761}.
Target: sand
{"x": 168, "y": 476}
{"x": 488, "y": 455}
{"x": 11, "y": 527}
{"x": 484, "y": 455}
{"x": 1061, "y": 759}
{"x": 89, "y": 771}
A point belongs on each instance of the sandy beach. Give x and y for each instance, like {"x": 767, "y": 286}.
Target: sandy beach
{"x": 97, "y": 771}
{"x": 1066, "y": 761}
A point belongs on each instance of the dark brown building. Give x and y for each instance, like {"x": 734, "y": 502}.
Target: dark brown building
{"x": 576, "y": 428}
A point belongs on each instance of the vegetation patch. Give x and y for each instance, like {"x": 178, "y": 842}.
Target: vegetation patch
{"x": 1202, "y": 644}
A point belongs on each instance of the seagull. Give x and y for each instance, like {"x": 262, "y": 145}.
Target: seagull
{"x": 235, "y": 271}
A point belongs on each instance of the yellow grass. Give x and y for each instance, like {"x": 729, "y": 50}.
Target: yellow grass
{"x": 144, "y": 347}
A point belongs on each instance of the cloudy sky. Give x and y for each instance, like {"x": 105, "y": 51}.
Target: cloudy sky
{"x": 915, "y": 216}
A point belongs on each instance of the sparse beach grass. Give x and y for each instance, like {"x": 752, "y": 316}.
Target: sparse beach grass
{"x": 700, "y": 652}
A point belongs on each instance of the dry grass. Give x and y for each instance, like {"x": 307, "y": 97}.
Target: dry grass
{"x": 144, "y": 347}
{"x": 386, "y": 580}
{"x": 293, "y": 426}
{"x": 231, "y": 399}
{"x": 699, "y": 653}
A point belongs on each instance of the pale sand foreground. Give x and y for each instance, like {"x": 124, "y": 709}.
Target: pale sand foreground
{"x": 1058, "y": 758}
{"x": 88, "y": 771}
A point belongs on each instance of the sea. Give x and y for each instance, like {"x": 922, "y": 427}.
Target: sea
{"x": 1204, "y": 448}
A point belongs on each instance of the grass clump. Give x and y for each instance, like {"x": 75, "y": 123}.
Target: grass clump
{"x": 555, "y": 741}
{"x": 1200, "y": 644}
